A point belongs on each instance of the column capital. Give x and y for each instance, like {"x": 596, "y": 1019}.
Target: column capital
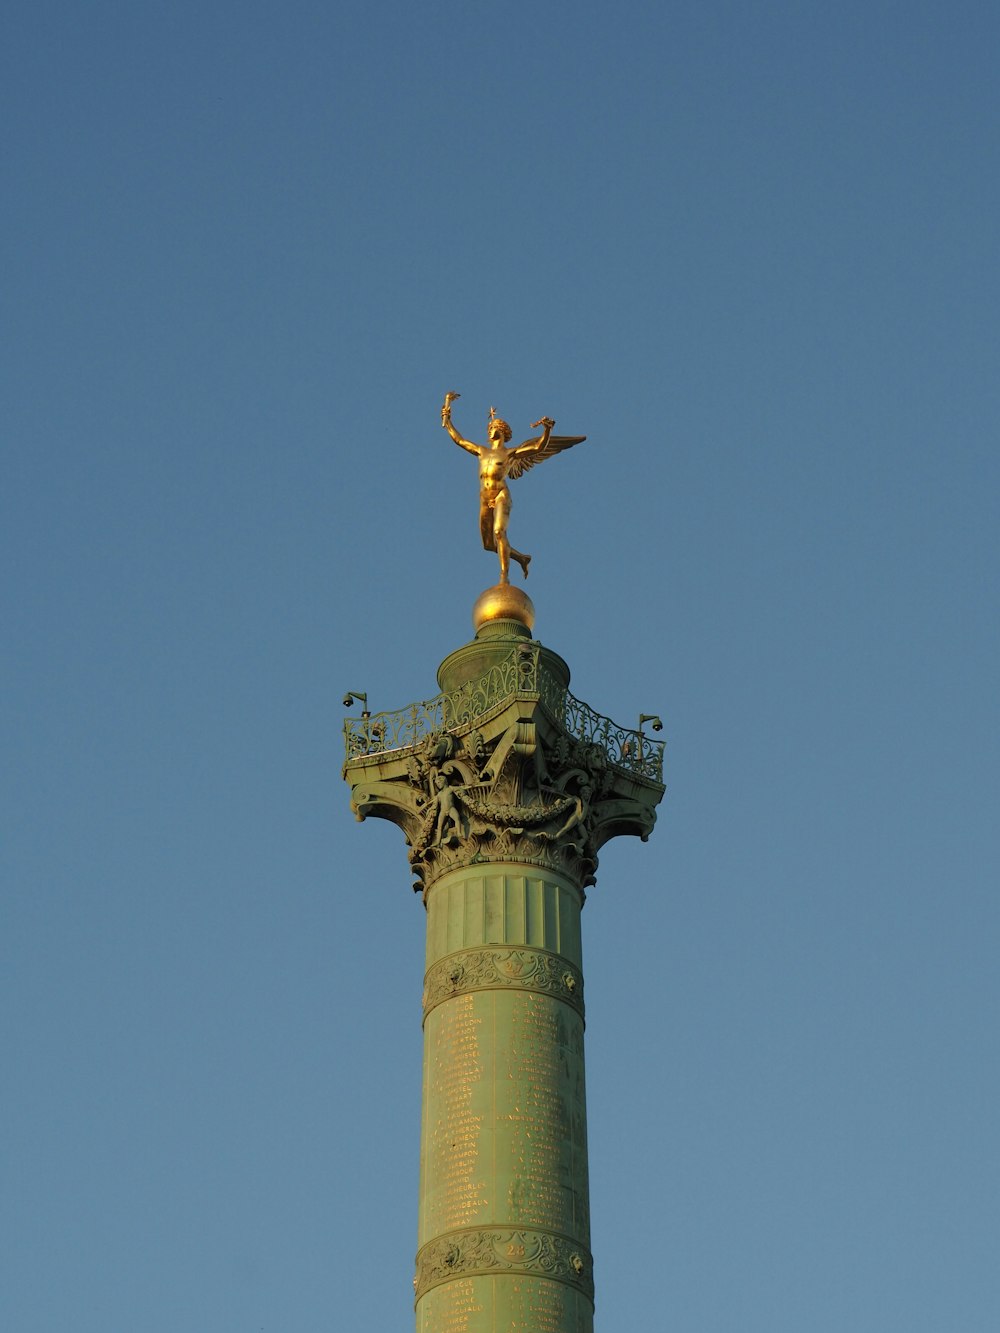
{"x": 505, "y": 765}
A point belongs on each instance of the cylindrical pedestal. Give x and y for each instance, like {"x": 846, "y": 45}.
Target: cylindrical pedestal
{"x": 504, "y": 1231}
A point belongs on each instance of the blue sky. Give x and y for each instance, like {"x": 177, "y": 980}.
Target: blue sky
{"x": 750, "y": 252}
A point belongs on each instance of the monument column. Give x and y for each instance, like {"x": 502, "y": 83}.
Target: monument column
{"x": 505, "y": 786}
{"x": 504, "y": 1230}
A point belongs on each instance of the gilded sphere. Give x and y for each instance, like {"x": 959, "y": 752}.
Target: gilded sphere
{"x": 503, "y": 602}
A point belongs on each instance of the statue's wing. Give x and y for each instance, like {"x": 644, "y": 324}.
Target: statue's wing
{"x": 526, "y": 455}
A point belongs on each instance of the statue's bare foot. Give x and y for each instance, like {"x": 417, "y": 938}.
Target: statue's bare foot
{"x": 524, "y": 561}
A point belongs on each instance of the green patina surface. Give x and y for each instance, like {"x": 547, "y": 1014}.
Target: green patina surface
{"x": 504, "y": 1225}
{"x": 506, "y": 787}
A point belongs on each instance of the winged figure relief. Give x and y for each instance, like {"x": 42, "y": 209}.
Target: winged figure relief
{"x": 499, "y": 464}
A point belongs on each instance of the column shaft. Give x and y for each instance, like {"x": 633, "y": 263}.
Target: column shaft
{"x": 504, "y": 1229}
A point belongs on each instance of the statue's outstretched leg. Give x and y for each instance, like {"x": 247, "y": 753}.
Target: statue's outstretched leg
{"x": 501, "y": 511}
{"x": 523, "y": 560}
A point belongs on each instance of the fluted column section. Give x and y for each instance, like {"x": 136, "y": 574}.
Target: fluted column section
{"x": 504, "y": 1227}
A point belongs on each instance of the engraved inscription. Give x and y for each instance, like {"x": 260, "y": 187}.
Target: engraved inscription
{"x": 523, "y": 1305}
{"x": 541, "y": 1109}
{"x": 453, "y": 1309}
{"x": 545, "y": 1307}
{"x": 505, "y": 1186}
{"x": 456, "y": 1182}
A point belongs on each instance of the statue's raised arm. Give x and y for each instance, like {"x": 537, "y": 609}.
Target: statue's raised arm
{"x": 499, "y": 464}
{"x": 536, "y": 450}
{"x": 446, "y": 422}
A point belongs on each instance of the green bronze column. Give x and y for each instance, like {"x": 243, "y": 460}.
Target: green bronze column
{"x": 504, "y": 1230}
{"x": 505, "y": 786}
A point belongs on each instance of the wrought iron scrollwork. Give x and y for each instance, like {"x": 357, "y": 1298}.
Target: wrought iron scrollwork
{"x": 518, "y": 674}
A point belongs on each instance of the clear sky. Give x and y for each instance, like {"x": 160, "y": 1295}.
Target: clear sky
{"x": 750, "y": 250}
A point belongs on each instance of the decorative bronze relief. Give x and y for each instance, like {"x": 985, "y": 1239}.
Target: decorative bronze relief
{"x": 498, "y": 969}
{"x": 484, "y": 1253}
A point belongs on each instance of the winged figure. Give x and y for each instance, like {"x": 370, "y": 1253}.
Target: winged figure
{"x": 499, "y": 464}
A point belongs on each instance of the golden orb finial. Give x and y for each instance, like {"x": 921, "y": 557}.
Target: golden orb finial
{"x": 503, "y": 602}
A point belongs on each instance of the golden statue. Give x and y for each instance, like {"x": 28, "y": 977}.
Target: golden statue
{"x": 497, "y": 466}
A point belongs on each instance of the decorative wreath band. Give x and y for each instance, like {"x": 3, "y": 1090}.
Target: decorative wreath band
{"x": 486, "y": 1252}
{"x": 502, "y": 969}
{"x": 511, "y": 816}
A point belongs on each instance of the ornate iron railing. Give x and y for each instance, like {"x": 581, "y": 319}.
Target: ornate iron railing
{"x": 520, "y": 673}
{"x": 628, "y": 749}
